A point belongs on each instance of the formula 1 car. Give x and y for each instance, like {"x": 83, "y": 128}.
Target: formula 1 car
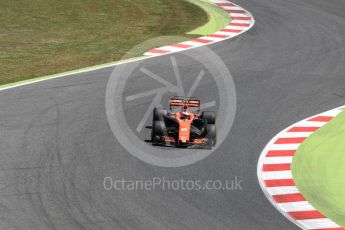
{"x": 184, "y": 128}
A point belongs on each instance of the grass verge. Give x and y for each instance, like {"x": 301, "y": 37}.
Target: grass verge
{"x": 318, "y": 169}
{"x": 218, "y": 18}
{"x": 42, "y": 37}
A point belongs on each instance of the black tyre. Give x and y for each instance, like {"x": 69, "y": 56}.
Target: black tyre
{"x": 209, "y": 116}
{"x": 210, "y": 133}
{"x": 158, "y": 130}
{"x": 159, "y": 114}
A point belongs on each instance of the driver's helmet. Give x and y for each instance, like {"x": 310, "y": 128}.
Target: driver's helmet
{"x": 185, "y": 109}
{"x": 185, "y": 113}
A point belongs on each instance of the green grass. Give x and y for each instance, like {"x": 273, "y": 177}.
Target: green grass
{"x": 42, "y": 37}
{"x": 218, "y": 18}
{"x": 319, "y": 169}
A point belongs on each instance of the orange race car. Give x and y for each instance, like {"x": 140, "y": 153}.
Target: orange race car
{"x": 183, "y": 128}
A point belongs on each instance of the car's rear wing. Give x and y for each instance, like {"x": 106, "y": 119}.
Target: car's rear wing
{"x": 190, "y": 102}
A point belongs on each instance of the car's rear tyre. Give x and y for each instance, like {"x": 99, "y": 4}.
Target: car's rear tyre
{"x": 210, "y": 133}
{"x": 209, "y": 116}
{"x": 159, "y": 114}
{"x": 158, "y": 129}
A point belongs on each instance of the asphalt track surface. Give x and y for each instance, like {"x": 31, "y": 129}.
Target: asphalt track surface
{"x": 56, "y": 144}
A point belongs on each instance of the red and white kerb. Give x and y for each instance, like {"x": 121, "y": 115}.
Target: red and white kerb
{"x": 276, "y": 180}
{"x": 242, "y": 21}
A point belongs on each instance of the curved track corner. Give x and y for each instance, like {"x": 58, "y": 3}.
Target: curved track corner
{"x": 276, "y": 180}
{"x": 242, "y": 21}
